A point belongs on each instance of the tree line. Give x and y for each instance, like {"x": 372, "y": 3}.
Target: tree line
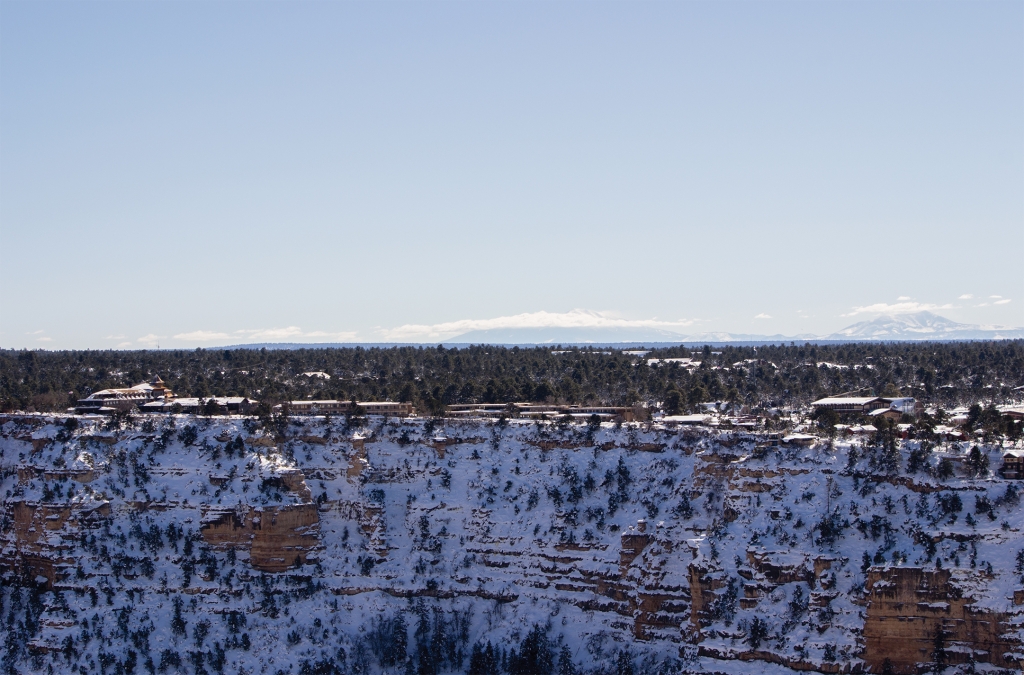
{"x": 946, "y": 374}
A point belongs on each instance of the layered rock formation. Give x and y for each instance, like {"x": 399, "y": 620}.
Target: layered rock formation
{"x": 916, "y": 615}
{"x": 277, "y": 538}
{"x": 677, "y": 550}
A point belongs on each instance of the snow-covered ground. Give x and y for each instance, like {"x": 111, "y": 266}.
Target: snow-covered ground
{"x": 436, "y": 538}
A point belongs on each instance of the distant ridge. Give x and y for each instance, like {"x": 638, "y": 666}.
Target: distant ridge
{"x": 923, "y": 326}
{"x": 916, "y": 327}
{"x": 898, "y": 327}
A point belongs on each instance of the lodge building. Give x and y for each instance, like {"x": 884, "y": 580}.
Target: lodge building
{"x": 109, "y": 401}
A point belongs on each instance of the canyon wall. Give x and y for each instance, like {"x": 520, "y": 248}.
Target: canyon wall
{"x": 687, "y": 548}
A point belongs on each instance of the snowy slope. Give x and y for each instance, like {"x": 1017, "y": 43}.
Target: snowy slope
{"x": 518, "y": 525}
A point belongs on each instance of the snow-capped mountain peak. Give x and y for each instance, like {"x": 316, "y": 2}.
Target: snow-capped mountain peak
{"x": 922, "y": 326}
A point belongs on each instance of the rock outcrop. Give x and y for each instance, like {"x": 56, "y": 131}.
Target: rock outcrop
{"x": 915, "y": 616}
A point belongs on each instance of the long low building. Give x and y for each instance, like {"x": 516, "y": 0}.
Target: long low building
{"x": 538, "y": 410}
{"x": 848, "y": 405}
{"x": 1014, "y": 412}
{"x": 863, "y": 405}
{"x": 334, "y": 407}
{"x": 394, "y": 409}
{"x": 218, "y": 405}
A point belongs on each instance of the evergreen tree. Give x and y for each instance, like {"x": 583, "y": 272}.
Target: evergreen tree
{"x": 565, "y": 662}
{"x": 939, "y": 653}
{"x": 623, "y": 663}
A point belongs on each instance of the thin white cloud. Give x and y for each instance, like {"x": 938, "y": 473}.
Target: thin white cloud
{"x": 150, "y": 340}
{"x": 289, "y": 333}
{"x": 344, "y": 336}
{"x": 903, "y": 298}
{"x": 897, "y": 308}
{"x": 995, "y": 297}
{"x": 202, "y": 336}
{"x": 762, "y": 315}
{"x": 44, "y": 339}
{"x": 577, "y": 318}
{"x": 1001, "y": 302}
{"x": 270, "y": 333}
{"x": 35, "y": 332}
{"x": 966, "y": 296}
{"x": 124, "y": 345}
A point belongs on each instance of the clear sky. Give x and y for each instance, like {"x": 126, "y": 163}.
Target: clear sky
{"x": 203, "y": 173}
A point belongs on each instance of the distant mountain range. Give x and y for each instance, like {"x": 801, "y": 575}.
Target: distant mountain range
{"x": 918, "y": 326}
{"x": 923, "y": 326}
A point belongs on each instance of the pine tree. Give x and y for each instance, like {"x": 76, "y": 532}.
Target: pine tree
{"x": 565, "y": 663}
{"x": 939, "y": 655}
{"x": 623, "y": 663}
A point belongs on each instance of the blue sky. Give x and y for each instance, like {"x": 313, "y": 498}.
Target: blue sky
{"x": 213, "y": 173}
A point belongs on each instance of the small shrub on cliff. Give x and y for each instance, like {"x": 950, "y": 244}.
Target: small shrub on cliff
{"x": 944, "y": 470}
{"x": 188, "y": 435}
{"x": 169, "y": 659}
{"x": 723, "y": 607}
{"x": 977, "y": 463}
{"x": 948, "y": 505}
{"x": 982, "y": 505}
{"x": 1010, "y": 497}
{"x": 177, "y": 622}
{"x": 798, "y": 603}
{"x": 758, "y": 632}
{"x": 830, "y": 528}
{"x": 683, "y": 509}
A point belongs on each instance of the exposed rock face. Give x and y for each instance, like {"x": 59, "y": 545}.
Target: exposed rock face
{"x": 358, "y": 461}
{"x": 27, "y": 473}
{"x": 277, "y": 538}
{"x": 909, "y": 607}
{"x": 705, "y": 582}
{"x": 43, "y": 534}
{"x": 283, "y": 537}
{"x": 675, "y": 546}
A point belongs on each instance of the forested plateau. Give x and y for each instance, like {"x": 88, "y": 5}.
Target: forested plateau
{"x": 943, "y": 374}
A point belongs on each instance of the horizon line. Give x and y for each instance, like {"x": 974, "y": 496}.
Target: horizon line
{"x": 527, "y": 345}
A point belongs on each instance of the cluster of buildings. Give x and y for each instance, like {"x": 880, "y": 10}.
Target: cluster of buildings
{"x": 895, "y": 408}
{"x": 542, "y": 411}
{"x": 155, "y": 397}
{"x": 492, "y": 410}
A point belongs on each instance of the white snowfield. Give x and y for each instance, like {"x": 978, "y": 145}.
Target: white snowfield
{"x": 471, "y": 532}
